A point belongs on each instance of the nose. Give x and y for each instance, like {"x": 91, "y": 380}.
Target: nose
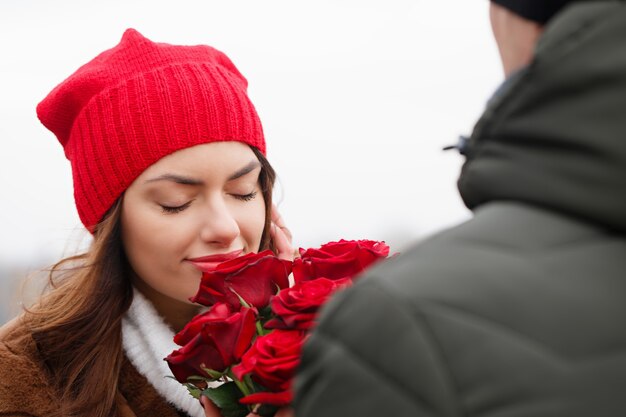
{"x": 219, "y": 225}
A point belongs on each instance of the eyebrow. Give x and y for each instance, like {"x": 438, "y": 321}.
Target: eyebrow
{"x": 252, "y": 165}
{"x": 179, "y": 179}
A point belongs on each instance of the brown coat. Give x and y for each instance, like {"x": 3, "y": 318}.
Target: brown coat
{"x": 26, "y": 389}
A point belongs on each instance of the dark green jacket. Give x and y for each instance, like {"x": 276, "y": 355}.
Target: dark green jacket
{"x": 520, "y": 311}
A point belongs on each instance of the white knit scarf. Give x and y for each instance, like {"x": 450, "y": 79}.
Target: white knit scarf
{"x": 147, "y": 339}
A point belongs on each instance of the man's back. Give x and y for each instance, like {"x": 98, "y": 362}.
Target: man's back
{"x": 518, "y": 312}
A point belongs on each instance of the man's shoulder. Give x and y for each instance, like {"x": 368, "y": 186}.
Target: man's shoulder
{"x": 503, "y": 242}
{"x": 492, "y": 267}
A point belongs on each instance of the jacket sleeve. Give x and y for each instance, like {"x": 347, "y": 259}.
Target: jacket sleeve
{"x": 373, "y": 354}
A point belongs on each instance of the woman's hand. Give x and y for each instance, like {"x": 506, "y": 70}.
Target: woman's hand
{"x": 282, "y": 237}
{"x": 210, "y": 409}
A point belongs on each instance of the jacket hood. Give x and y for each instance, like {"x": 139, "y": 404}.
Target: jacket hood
{"x": 554, "y": 135}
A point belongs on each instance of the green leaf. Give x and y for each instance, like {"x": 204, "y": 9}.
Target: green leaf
{"x": 193, "y": 390}
{"x": 226, "y": 398}
{"x": 213, "y": 374}
{"x": 196, "y": 378}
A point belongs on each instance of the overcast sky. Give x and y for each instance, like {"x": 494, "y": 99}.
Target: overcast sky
{"x": 357, "y": 98}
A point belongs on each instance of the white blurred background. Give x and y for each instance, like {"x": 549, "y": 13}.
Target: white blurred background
{"x": 357, "y": 98}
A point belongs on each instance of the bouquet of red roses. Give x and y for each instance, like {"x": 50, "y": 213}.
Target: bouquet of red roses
{"x": 251, "y": 337}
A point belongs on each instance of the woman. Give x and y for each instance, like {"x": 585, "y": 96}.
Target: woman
{"x": 169, "y": 172}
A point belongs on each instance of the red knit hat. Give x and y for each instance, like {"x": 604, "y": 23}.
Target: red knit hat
{"x": 138, "y": 102}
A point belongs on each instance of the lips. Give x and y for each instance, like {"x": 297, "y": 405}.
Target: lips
{"x": 209, "y": 263}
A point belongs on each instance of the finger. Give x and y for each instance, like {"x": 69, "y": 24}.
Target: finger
{"x": 277, "y": 219}
{"x": 283, "y": 244}
{"x": 210, "y": 409}
{"x": 287, "y": 233}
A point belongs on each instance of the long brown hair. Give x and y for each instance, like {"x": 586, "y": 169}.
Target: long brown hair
{"x": 77, "y": 324}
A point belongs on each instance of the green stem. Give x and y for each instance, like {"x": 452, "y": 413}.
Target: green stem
{"x": 248, "y": 381}
{"x": 240, "y": 384}
{"x": 259, "y": 329}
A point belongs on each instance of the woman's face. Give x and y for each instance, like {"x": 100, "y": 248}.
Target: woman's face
{"x": 199, "y": 202}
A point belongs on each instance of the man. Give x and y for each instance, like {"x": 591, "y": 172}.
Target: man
{"x": 519, "y": 311}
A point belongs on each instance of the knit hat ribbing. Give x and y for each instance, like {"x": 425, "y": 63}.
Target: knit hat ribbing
{"x": 138, "y": 102}
{"x": 539, "y": 11}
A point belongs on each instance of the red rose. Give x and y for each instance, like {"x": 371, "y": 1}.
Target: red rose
{"x": 296, "y": 307}
{"x": 187, "y": 361}
{"x": 272, "y": 361}
{"x": 213, "y": 340}
{"x": 255, "y": 277}
{"x": 336, "y": 260}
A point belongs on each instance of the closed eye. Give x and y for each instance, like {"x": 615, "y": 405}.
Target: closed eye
{"x": 175, "y": 209}
{"x": 246, "y": 197}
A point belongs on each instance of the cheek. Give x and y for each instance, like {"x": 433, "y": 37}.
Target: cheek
{"x": 149, "y": 244}
{"x": 251, "y": 223}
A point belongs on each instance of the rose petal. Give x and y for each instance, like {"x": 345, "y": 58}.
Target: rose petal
{"x": 273, "y": 398}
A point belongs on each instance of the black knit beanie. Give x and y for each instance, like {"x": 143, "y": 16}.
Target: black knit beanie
{"x": 539, "y": 11}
